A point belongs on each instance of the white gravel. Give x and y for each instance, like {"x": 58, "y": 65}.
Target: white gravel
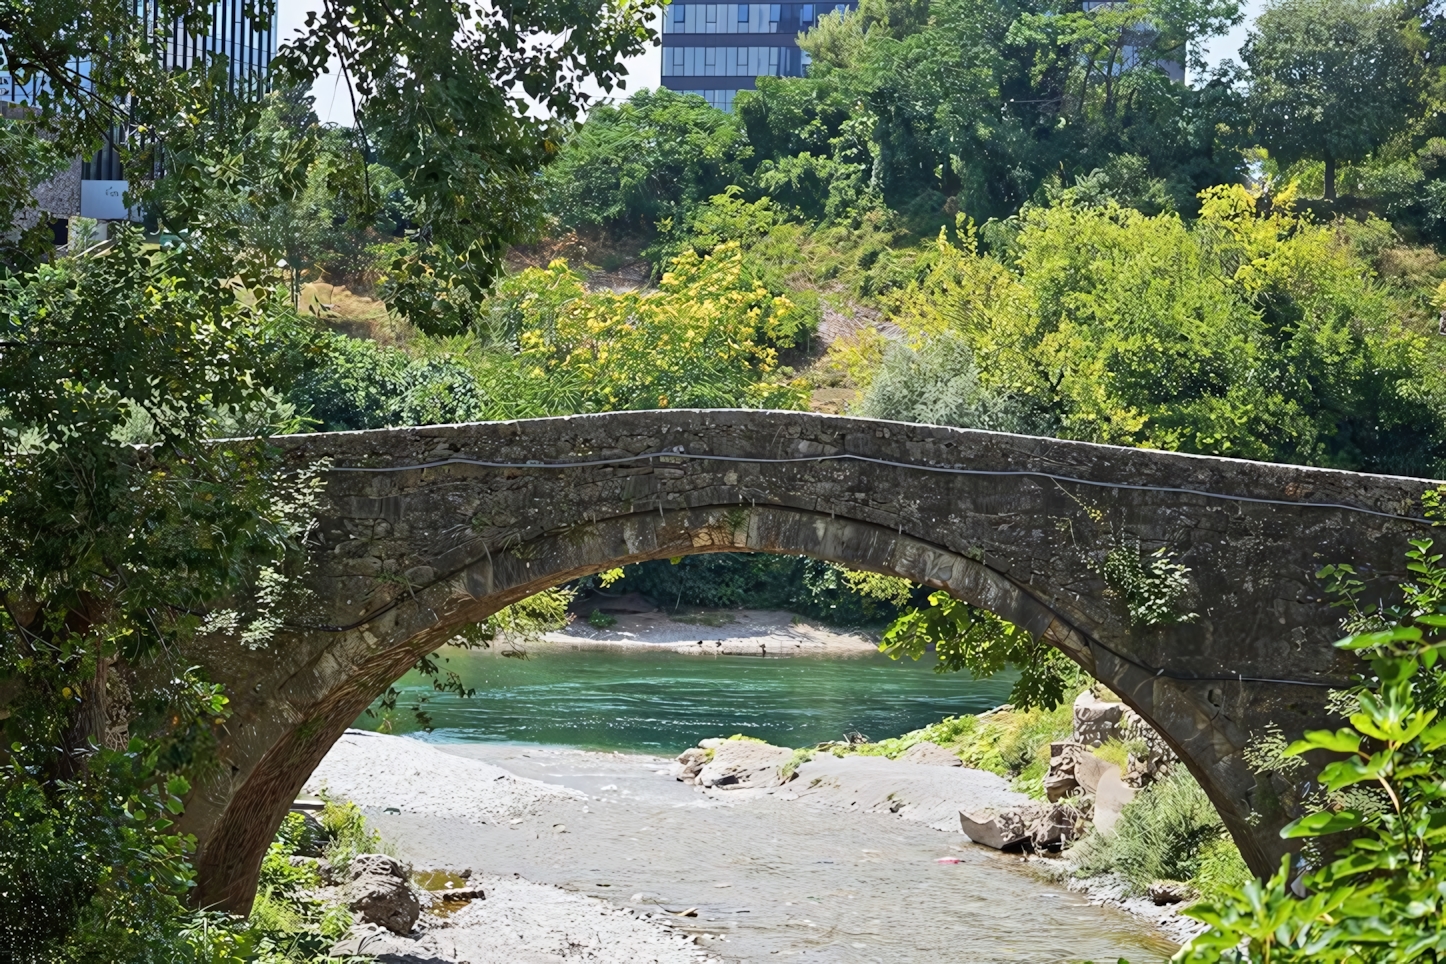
{"x": 378, "y": 773}
{"x": 931, "y": 795}
{"x": 520, "y": 922}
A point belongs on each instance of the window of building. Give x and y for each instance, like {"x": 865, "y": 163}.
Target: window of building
{"x": 807, "y": 15}
{"x": 712, "y": 17}
{"x": 743, "y": 13}
{"x": 680, "y": 13}
{"x": 678, "y": 60}
{"x": 775, "y": 11}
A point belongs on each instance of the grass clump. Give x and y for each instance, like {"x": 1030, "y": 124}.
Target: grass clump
{"x": 1010, "y": 742}
{"x": 1171, "y": 831}
{"x": 799, "y": 758}
{"x": 291, "y": 920}
{"x": 1118, "y": 753}
{"x": 347, "y": 833}
{"x": 1015, "y": 743}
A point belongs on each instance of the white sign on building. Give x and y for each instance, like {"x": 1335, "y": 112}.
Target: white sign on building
{"x": 105, "y": 201}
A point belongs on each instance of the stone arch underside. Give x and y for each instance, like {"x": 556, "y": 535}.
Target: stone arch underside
{"x": 423, "y": 541}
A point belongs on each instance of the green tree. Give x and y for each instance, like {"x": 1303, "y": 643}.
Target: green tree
{"x": 124, "y": 533}
{"x": 1332, "y": 80}
{"x": 644, "y": 161}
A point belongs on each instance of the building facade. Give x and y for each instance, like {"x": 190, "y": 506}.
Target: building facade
{"x": 99, "y": 181}
{"x": 718, "y": 49}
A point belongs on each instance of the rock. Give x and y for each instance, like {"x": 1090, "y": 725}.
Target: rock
{"x": 1059, "y": 781}
{"x": 1170, "y": 892}
{"x": 1000, "y": 829}
{"x": 930, "y": 754}
{"x": 691, "y": 760}
{"x": 1096, "y": 721}
{"x": 1055, "y": 826}
{"x": 381, "y": 893}
{"x": 1110, "y": 799}
{"x": 1031, "y": 826}
{"x": 1157, "y": 760}
{"x": 331, "y": 876}
{"x": 737, "y": 764}
{"x": 1090, "y": 770}
{"x": 460, "y": 894}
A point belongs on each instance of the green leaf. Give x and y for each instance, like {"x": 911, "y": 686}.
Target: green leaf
{"x": 1320, "y": 824}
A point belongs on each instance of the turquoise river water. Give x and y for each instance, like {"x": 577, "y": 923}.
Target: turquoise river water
{"x": 663, "y": 702}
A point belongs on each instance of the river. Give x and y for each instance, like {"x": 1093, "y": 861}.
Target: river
{"x": 767, "y": 877}
{"x": 664, "y": 702}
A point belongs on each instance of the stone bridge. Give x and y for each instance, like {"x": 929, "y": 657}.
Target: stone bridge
{"x": 423, "y": 531}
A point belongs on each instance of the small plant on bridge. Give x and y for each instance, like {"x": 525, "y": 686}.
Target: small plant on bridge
{"x": 1381, "y": 897}
{"x": 1152, "y": 586}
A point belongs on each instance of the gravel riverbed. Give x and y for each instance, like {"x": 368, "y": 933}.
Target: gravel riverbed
{"x": 606, "y": 857}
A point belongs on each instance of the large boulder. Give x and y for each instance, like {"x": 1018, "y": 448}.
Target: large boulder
{"x": 690, "y": 763}
{"x": 381, "y": 892}
{"x": 1001, "y": 829}
{"x": 1073, "y": 767}
{"x": 737, "y": 764}
{"x": 1096, "y": 721}
{"x": 1110, "y": 798}
{"x": 1030, "y": 826}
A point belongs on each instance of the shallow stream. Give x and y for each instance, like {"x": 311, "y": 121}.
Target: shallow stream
{"x": 766, "y": 876}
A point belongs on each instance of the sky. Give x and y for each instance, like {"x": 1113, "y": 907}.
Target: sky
{"x": 644, "y": 71}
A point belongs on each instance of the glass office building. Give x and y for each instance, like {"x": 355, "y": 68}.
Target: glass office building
{"x": 718, "y": 49}
{"x": 248, "y": 54}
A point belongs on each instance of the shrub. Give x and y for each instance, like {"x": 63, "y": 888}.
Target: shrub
{"x": 1163, "y": 834}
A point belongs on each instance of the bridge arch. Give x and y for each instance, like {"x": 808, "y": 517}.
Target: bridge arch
{"x": 423, "y": 531}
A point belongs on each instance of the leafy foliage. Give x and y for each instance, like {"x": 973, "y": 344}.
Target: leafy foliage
{"x": 1251, "y": 333}
{"x": 795, "y": 583}
{"x": 965, "y": 637}
{"x": 1374, "y": 857}
{"x": 708, "y": 338}
{"x": 1332, "y": 79}
{"x": 1166, "y": 833}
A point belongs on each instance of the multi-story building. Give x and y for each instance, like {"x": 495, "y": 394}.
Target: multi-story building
{"x": 718, "y": 49}
{"x": 93, "y": 187}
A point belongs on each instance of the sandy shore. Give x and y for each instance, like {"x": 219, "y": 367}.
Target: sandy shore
{"x": 740, "y": 632}
{"x": 606, "y": 857}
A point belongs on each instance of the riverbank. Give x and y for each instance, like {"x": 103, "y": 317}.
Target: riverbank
{"x": 822, "y": 867}
{"x": 733, "y": 632}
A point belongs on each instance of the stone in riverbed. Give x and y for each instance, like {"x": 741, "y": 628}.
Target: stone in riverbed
{"x": 1170, "y": 892}
{"x": 738, "y": 764}
{"x": 1033, "y": 826}
{"x": 380, "y": 892}
{"x": 1000, "y": 829}
{"x": 691, "y": 761}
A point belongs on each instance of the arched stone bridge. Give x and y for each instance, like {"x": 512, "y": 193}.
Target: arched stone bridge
{"x": 425, "y": 530}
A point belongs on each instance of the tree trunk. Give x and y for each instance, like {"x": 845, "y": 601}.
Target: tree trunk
{"x": 1330, "y": 178}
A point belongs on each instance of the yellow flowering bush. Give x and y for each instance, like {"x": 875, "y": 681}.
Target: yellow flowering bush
{"x": 707, "y": 338}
